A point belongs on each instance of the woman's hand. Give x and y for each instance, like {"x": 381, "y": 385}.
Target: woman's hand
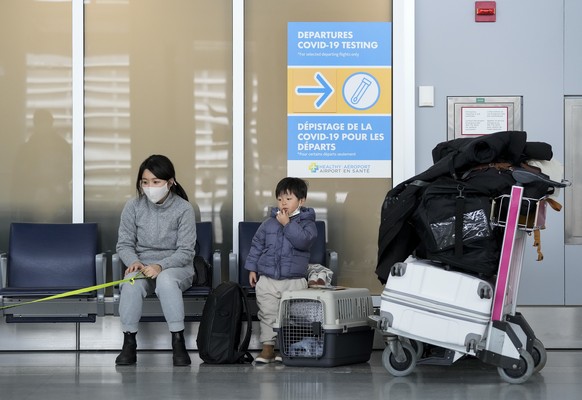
{"x": 151, "y": 271}
{"x": 136, "y": 266}
{"x": 252, "y": 278}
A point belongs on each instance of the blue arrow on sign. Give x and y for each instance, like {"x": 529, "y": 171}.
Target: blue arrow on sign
{"x": 324, "y": 90}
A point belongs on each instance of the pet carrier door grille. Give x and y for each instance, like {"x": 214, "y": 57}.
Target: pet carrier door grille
{"x": 301, "y": 328}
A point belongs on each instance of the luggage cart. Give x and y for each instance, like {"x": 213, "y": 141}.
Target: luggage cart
{"x": 486, "y": 324}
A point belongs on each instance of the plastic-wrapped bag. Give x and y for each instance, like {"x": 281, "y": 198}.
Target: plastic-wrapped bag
{"x": 452, "y": 221}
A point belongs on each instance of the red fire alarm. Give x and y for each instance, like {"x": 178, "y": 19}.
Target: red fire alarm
{"x": 485, "y": 11}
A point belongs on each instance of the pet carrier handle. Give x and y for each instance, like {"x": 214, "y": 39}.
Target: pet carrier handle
{"x": 523, "y": 176}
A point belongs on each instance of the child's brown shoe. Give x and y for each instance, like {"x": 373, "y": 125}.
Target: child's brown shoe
{"x": 267, "y": 355}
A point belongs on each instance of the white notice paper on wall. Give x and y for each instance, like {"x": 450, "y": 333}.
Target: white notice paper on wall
{"x": 484, "y": 120}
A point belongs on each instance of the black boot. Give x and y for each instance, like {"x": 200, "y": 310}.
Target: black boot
{"x": 128, "y": 351}
{"x": 181, "y": 357}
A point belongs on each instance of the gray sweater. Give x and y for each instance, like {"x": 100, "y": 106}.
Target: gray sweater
{"x": 163, "y": 234}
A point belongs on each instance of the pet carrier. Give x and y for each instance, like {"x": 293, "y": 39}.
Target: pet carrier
{"x": 325, "y": 327}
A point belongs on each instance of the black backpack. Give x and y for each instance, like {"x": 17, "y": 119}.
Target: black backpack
{"x": 219, "y": 335}
{"x": 202, "y": 272}
{"x": 202, "y": 269}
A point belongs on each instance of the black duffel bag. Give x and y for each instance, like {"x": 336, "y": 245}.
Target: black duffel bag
{"x": 452, "y": 222}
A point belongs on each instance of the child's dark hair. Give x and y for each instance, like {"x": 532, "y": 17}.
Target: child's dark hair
{"x": 162, "y": 168}
{"x": 296, "y": 186}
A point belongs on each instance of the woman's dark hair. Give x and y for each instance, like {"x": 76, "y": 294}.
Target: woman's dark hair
{"x": 162, "y": 168}
{"x": 296, "y": 186}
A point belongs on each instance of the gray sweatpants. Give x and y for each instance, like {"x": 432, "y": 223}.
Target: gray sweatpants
{"x": 268, "y": 293}
{"x": 168, "y": 286}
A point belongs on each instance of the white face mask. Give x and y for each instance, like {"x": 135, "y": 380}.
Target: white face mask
{"x": 155, "y": 193}
{"x": 294, "y": 213}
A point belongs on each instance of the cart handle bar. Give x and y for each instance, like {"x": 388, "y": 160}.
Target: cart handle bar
{"x": 523, "y": 176}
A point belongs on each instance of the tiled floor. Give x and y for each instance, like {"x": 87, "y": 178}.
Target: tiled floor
{"x": 93, "y": 376}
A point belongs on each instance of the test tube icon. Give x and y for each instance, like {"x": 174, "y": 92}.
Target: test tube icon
{"x": 360, "y": 91}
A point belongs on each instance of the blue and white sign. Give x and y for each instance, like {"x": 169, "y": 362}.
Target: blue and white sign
{"x": 339, "y": 99}
{"x": 339, "y": 44}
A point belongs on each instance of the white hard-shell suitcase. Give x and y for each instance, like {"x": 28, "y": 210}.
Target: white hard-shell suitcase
{"x": 426, "y": 302}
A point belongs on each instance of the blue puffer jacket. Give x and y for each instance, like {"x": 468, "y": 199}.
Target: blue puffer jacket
{"x": 282, "y": 252}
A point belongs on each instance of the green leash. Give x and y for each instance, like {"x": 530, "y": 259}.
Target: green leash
{"x": 78, "y": 291}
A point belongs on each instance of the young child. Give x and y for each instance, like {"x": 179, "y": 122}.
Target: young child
{"x": 278, "y": 258}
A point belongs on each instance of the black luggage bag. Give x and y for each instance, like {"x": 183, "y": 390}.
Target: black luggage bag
{"x": 452, "y": 222}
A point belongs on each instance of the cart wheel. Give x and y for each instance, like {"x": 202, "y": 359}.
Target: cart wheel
{"x": 399, "y": 368}
{"x": 523, "y": 370}
{"x": 539, "y": 355}
{"x": 418, "y": 347}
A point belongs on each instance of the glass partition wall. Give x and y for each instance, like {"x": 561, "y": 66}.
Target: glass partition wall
{"x": 35, "y": 113}
{"x": 350, "y": 206}
{"x": 158, "y": 78}
{"x": 158, "y": 81}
